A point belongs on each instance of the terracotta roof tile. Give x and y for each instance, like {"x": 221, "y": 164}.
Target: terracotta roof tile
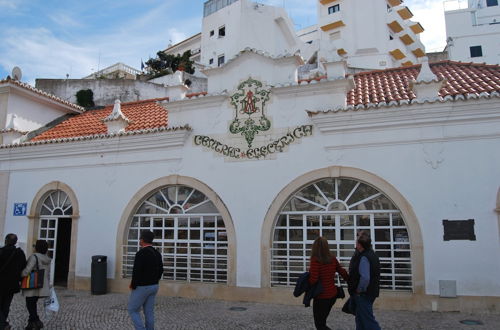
{"x": 393, "y": 84}
{"x": 143, "y": 115}
{"x": 373, "y": 87}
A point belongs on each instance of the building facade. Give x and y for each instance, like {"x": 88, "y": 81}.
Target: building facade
{"x": 473, "y": 32}
{"x": 236, "y": 182}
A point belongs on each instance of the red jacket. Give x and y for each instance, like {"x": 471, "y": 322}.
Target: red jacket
{"x": 326, "y": 274}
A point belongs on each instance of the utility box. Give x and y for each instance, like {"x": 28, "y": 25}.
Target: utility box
{"x": 98, "y": 275}
{"x": 447, "y": 288}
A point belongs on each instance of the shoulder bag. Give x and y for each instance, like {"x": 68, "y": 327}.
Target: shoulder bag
{"x": 33, "y": 280}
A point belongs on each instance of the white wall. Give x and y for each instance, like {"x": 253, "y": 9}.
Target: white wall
{"x": 445, "y": 171}
{"x": 473, "y": 27}
{"x": 247, "y": 24}
{"x": 31, "y": 114}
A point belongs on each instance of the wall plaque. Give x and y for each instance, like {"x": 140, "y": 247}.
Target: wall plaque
{"x": 459, "y": 230}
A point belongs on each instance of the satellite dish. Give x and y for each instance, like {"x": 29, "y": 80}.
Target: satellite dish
{"x": 16, "y": 73}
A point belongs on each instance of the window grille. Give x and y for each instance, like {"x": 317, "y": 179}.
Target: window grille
{"x": 189, "y": 233}
{"x": 337, "y": 209}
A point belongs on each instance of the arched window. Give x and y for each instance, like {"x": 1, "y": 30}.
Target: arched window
{"x": 189, "y": 233}
{"x": 337, "y": 208}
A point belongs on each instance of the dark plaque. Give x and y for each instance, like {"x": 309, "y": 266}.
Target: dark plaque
{"x": 459, "y": 230}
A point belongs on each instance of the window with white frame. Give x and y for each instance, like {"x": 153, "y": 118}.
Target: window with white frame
{"x": 189, "y": 233}
{"x": 337, "y": 209}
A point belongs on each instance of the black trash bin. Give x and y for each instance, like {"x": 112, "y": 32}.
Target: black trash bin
{"x": 98, "y": 274}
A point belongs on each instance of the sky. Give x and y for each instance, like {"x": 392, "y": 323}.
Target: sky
{"x": 56, "y": 38}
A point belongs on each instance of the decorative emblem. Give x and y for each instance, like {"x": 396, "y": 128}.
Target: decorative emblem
{"x": 249, "y": 102}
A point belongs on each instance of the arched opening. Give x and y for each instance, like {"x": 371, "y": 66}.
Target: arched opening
{"x": 54, "y": 214}
{"x": 336, "y": 202}
{"x": 192, "y": 228}
{"x": 338, "y": 208}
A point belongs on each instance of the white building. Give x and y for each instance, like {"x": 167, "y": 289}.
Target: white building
{"x": 374, "y": 34}
{"x": 237, "y": 182}
{"x": 473, "y": 33}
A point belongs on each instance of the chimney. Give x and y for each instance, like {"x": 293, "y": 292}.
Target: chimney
{"x": 116, "y": 121}
{"x": 11, "y": 134}
{"x": 427, "y": 85}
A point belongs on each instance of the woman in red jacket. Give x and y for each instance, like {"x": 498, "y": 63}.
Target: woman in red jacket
{"x": 323, "y": 267}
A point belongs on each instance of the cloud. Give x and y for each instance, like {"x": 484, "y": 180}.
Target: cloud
{"x": 9, "y": 4}
{"x": 430, "y": 14}
{"x": 38, "y": 52}
{"x": 54, "y": 51}
{"x": 64, "y": 19}
{"x": 175, "y": 36}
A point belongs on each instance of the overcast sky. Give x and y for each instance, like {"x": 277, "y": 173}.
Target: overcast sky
{"x": 52, "y": 38}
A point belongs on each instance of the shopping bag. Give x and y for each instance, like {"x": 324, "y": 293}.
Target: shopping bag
{"x": 51, "y": 303}
{"x": 33, "y": 280}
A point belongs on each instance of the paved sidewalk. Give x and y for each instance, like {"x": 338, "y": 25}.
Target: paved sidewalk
{"x": 81, "y": 310}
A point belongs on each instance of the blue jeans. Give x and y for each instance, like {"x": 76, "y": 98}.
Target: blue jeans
{"x": 143, "y": 296}
{"x": 364, "y": 313}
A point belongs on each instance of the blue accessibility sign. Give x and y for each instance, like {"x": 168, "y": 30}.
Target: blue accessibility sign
{"x": 20, "y": 209}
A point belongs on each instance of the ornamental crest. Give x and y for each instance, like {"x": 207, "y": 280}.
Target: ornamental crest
{"x": 249, "y": 101}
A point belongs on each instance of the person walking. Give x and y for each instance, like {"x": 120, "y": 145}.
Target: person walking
{"x": 146, "y": 273}
{"x": 364, "y": 279}
{"x": 38, "y": 260}
{"x": 323, "y": 267}
{"x": 12, "y": 262}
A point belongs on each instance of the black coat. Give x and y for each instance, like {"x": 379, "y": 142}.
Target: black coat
{"x": 302, "y": 285}
{"x": 12, "y": 262}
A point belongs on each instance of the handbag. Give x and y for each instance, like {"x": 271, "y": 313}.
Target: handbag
{"x": 340, "y": 292}
{"x": 33, "y": 280}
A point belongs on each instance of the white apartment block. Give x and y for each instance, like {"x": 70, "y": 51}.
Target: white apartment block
{"x": 375, "y": 34}
{"x": 473, "y": 33}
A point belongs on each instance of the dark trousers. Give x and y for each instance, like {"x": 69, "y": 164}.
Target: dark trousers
{"x": 31, "y": 306}
{"x": 5, "y": 300}
{"x": 365, "y": 320}
{"x": 321, "y": 310}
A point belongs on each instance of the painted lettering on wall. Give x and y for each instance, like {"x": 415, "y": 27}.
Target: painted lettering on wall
{"x": 278, "y": 145}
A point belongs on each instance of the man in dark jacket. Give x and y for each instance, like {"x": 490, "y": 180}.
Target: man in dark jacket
{"x": 12, "y": 262}
{"x": 364, "y": 278}
{"x": 147, "y": 271}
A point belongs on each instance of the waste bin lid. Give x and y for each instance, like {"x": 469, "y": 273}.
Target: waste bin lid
{"x": 99, "y": 259}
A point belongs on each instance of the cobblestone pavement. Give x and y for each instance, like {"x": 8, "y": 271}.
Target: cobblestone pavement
{"x": 81, "y": 310}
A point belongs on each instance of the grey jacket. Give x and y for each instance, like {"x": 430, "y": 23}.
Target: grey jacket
{"x": 43, "y": 263}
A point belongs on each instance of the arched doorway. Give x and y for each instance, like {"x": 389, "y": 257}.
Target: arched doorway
{"x": 337, "y": 208}
{"x": 192, "y": 228}
{"x": 336, "y": 202}
{"x": 53, "y": 221}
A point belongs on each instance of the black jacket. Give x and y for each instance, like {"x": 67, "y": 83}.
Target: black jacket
{"x": 148, "y": 267}
{"x": 354, "y": 276}
{"x": 12, "y": 262}
{"x": 311, "y": 291}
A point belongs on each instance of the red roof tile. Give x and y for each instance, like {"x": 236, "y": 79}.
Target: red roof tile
{"x": 381, "y": 86}
{"x": 393, "y": 84}
{"x": 147, "y": 114}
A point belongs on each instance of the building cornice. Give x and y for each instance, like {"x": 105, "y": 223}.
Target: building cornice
{"x": 201, "y": 101}
{"x": 111, "y": 151}
{"x": 410, "y": 115}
